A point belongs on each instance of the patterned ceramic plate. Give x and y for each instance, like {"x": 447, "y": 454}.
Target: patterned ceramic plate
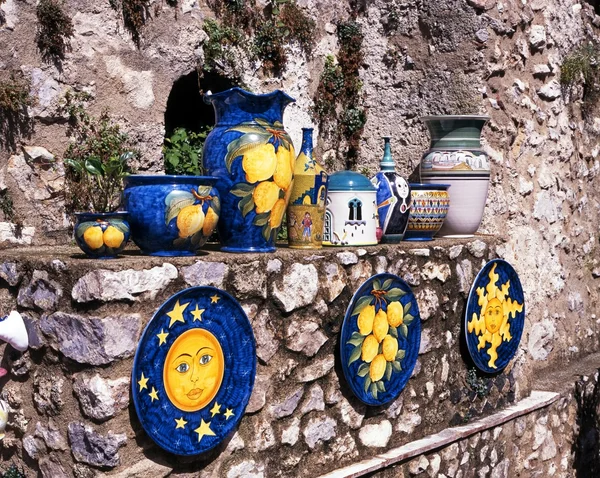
{"x": 380, "y": 339}
{"x": 194, "y": 370}
{"x": 495, "y": 316}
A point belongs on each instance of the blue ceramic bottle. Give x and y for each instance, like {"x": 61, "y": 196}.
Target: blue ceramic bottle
{"x": 253, "y": 157}
{"x": 393, "y": 198}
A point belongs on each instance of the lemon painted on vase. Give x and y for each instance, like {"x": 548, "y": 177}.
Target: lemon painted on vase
{"x": 306, "y": 209}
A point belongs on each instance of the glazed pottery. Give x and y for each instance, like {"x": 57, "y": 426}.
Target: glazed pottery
{"x": 393, "y": 198}
{"x": 102, "y": 235}
{"x": 254, "y": 159}
{"x": 171, "y": 215}
{"x": 13, "y": 331}
{"x": 455, "y": 157}
{"x": 306, "y": 210}
{"x": 429, "y": 209}
{"x": 194, "y": 370}
{"x": 380, "y": 339}
{"x": 495, "y": 316}
{"x": 351, "y": 211}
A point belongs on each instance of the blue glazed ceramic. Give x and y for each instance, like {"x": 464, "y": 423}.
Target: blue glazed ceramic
{"x": 430, "y": 204}
{"x": 495, "y": 316}
{"x": 393, "y": 198}
{"x": 102, "y": 235}
{"x": 380, "y": 339}
{"x": 194, "y": 370}
{"x": 171, "y": 215}
{"x": 253, "y": 157}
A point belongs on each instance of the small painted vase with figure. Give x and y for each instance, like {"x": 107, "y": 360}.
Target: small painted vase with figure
{"x": 393, "y": 198}
{"x": 306, "y": 210}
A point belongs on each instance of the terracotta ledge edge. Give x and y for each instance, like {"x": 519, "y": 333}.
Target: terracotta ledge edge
{"x": 535, "y": 401}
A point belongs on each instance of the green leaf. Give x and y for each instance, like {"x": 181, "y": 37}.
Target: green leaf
{"x": 242, "y": 189}
{"x": 393, "y": 332}
{"x": 396, "y": 366}
{"x": 248, "y": 205}
{"x": 400, "y": 354}
{"x": 363, "y": 370}
{"x": 380, "y": 386}
{"x": 196, "y": 239}
{"x": 94, "y": 166}
{"x": 356, "y": 339}
{"x": 395, "y": 294}
{"x": 84, "y": 226}
{"x": 388, "y": 371}
{"x": 215, "y": 204}
{"x": 266, "y": 232}
{"x": 387, "y": 283}
{"x": 367, "y": 384}
{"x": 119, "y": 225}
{"x": 362, "y": 303}
{"x": 261, "y": 219}
{"x": 76, "y": 165}
{"x": 354, "y": 356}
{"x": 250, "y": 127}
{"x": 376, "y": 284}
{"x": 374, "y": 390}
{"x": 407, "y": 307}
{"x": 404, "y": 330}
{"x": 175, "y": 202}
{"x": 204, "y": 190}
{"x": 245, "y": 143}
{"x": 408, "y": 319}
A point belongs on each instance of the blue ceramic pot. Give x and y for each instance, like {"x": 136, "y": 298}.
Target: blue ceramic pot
{"x": 171, "y": 215}
{"x": 430, "y": 205}
{"x": 253, "y": 157}
{"x": 102, "y": 235}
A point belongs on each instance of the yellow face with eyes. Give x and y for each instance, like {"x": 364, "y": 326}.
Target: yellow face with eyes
{"x": 193, "y": 370}
{"x": 494, "y": 314}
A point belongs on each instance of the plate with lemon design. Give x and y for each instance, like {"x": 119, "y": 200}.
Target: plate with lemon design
{"x": 380, "y": 339}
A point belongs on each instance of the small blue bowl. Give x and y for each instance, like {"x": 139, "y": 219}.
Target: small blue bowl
{"x": 171, "y": 215}
{"x": 102, "y": 235}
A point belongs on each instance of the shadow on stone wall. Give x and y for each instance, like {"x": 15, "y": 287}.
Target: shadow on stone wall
{"x": 586, "y": 443}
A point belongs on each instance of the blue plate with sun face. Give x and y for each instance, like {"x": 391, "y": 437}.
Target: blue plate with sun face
{"x": 380, "y": 339}
{"x": 194, "y": 371}
{"x": 495, "y": 316}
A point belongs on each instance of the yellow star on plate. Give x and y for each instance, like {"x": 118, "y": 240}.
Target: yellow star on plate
{"x": 142, "y": 383}
{"x": 176, "y": 314}
{"x": 162, "y": 337}
{"x": 215, "y": 410}
{"x": 180, "y": 423}
{"x": 214, "y": 299}
{"x": 153, "y": 394}
{"x": 204, "y": 430}
{"x": 197, "y": 313}
{"x": 228, "y": 413}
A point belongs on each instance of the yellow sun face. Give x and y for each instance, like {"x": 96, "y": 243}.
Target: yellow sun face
{"x": 494, "y": 315}
{"x": 193, "y": 370}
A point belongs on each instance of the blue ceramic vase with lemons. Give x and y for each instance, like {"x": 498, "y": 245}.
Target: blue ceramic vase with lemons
{"x": 102, "y": 235}
{"x": 253, "y": 158}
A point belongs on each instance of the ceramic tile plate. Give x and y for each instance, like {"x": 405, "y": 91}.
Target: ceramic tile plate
{"x": 194, "y": 370}
{"x": 495, "y": 316}
{"x": 380, "y": 339}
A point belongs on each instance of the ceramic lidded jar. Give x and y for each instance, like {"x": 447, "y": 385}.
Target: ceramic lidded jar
{"x": 393, "y": 198}
{"x": 253, "y": 158}
{"x": 351, "y": 211}
{"x": 306, "y": 210}
{"x": 455, "y": 157}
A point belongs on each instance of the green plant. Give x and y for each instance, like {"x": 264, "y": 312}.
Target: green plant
{"x": 353, "y": 120}
{"x": 6, "y": 206}
{"x": 135, "y": 13}
{"x": 15, "y": 99}
{"x": 477, "y": 384}
{"x": 298, "y": 26}
{"x": 54, "y": 30}
{"x": 269, "y": 46}
{"x": 182, "y": 152}
{"x": 218, "y": 49}
{"x": 97, "y": 161}
{"x": 13, "y": 471}
{"x": 331, "y": 84}
{"x": 583, "y": 64}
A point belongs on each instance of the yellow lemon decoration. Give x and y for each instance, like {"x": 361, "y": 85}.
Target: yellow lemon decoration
{"x": 390, "y": 348}
{"x": 190, "y": 220}
{"x": 265, "y": 196}
{"x": 377, "y": 368}
{"x": 260, "y": 162}
{"x": 283, "y": 171}
{"x": 210, "y": 221}
{"x": 370, "y": 347}
{"x": 93, "y": 237}
{"x": 380, "y": 325}
{"x": 112, "y": 237}
{"x": 365, "y": 320}
{"x": 277, "y": 213}
{"x": 395, "y": 314}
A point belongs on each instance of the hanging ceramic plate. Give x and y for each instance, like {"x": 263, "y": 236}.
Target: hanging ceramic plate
{"x": 495, "y": 316}
{"x": 194, "y": 370}
{"x": 380, "y": 339}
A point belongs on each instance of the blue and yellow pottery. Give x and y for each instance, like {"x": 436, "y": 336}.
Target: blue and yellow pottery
{"x": 253, "y": 157}
{"x": 102, "y": 235}
{"x": 171, "y": 215}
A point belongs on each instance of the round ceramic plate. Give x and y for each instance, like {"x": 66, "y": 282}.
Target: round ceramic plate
{"x": 194, "y": 370}
{"x": 495, "y": 316}
{"x": 380, "y": 339}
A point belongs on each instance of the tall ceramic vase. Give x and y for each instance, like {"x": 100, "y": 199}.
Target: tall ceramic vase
{"x": 254, "y": 158}
{"x": 306, "y": 210}
{"x": 393, "y": 198}
{"x": 455, "y": 158}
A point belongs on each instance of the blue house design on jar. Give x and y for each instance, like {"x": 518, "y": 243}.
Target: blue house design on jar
{"x": 351, "y": 211}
